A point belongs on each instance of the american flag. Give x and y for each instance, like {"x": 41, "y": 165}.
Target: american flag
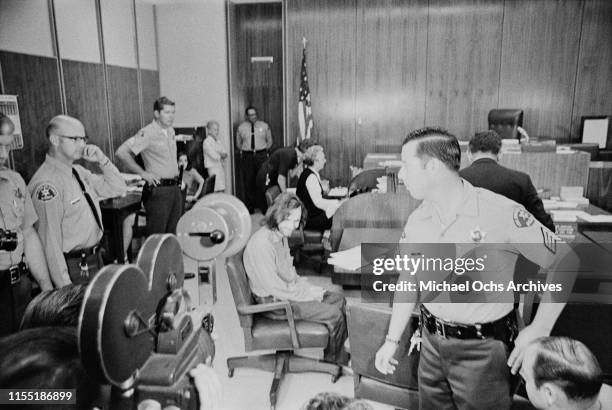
{"x": 304, "y": 107}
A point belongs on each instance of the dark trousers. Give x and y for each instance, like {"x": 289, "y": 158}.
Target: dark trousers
{"x": 463, "y": 374}
{"x": 13, "y": 301}
{"x": 164, "y": 207}
{"x": 331, "y": 313}
{"x": 251, "y": 164}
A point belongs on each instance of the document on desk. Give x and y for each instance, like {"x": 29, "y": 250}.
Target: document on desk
{"x": 596, "y": 218}
{"x": 349, "y": 259}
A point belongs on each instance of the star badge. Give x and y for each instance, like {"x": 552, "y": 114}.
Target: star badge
{"x": 477, "y": 235}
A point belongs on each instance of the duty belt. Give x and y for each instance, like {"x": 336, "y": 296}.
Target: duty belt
{"x": 168, "y": 181}
{"x": 14, "y": 273}
{"x": 79, "y": 253}
{"x": 259, "y": 151}
{"x": 504, "y": 329}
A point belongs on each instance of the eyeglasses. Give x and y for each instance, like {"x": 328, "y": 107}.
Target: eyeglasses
{"x": 75, "y": 139}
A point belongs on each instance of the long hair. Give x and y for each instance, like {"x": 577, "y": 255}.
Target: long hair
{"x": 281, "y": 208}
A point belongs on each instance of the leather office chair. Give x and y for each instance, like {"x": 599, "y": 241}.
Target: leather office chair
{"x": 283, "y": 336}
{"x": 367, "y": 327}
{"x": 301, "y": 240}
{"x": 365, "y": 181}
{"x": 505, "y": 122}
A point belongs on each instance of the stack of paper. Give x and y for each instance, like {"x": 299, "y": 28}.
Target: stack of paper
{"x": 391, "y": 163}
{"x": 338, "y": 192}
{"x": 596, "y": 218}
{"x": 381, "y": 184}
{"x": 349, "y": 259}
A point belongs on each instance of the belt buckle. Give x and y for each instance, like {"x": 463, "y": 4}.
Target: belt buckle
{"x": 14, "y": 275}
{"x": 478, "y": 327}
{"x": 440, "y": 328}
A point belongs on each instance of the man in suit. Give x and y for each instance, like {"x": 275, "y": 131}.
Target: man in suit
{"x": 485, "y": 172}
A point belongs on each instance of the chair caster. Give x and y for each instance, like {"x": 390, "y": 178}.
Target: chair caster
{"x": 230, "y": 372}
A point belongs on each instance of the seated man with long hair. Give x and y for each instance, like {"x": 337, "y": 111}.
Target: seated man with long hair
{"x": 272, "y": 276}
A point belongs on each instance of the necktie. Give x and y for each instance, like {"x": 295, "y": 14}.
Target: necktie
{"x": 253, "y": 136}
{"x": 88, "y": 198}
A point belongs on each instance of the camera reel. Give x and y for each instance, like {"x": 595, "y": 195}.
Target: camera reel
{"x": 217, "y": 225}
{"x": 138, "y": 328}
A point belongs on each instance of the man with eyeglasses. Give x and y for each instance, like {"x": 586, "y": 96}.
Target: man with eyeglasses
{"x": 20, "y": 249}
{"x": 66, "y": 198}
{"x": 156, "y": 144}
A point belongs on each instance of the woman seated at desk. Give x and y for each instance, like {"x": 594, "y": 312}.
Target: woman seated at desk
{"x": 310, "y": 191}
{"x": 272, "y": 276}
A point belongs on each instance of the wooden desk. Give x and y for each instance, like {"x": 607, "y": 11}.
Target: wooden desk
{"x": 547, "y": 170}
{"x": 114, "y": 211}
{"x": 355, "y": 236}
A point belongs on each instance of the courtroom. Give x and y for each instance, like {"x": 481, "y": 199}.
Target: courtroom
{"x": 306, "y": 204}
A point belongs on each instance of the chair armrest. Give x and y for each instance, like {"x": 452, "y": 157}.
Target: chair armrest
{"x": 269, "y": 307}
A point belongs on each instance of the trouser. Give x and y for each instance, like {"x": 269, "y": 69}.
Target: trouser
{"x": 14, "y": 298}
{"x": 331, "y": 313}
{"x": 82, "y": 269}
{"x": 465, "y": 374}
{"x": 164, "y": 207}
{"x": 251, "y": 164}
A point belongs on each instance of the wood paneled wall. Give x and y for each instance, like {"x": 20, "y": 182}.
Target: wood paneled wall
{"x": 150, "y": 92}
{"x": 329, "y": 28}
{"x": 255, "y": 30}
{"x": 379, "y": 68}
{"x": 34, "y": 80}
{"x": 258, "y": 32}
{"x": 86, "y": 100}
{"x": 124, "y": 107}
{"x": 593, "y": 93}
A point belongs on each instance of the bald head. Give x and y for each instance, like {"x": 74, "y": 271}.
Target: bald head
{"x": 65, "y": 125}
{"x": 66, "y": 138}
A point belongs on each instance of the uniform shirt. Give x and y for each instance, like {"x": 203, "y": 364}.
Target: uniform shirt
{"x": 66, "y": 221}
{"x": 16, "y": 213}
{"x": 269, "y": 266}
{"x": 157, "y": 148}
{"x": 262, "y": 136}
{"x": 493, "y": 219}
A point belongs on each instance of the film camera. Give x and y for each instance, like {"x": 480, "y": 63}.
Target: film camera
{"x": 138, "y": 330}
{"x": 8, "y": 240}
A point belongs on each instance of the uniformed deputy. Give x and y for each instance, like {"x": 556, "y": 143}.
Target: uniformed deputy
{"x": 464, "y": 362}
{"x": 156, "y": 143}
{"x": 66, "y": 198}
{"x": 19, "y": 242}
{"x": 253, "y": 139}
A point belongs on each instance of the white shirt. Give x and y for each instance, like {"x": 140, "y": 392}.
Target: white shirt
{"x": 313, "y": 184}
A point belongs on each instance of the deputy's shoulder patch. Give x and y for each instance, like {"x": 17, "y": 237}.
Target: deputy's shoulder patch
{"x": 550, "y": 240}
{"x": 45, "y": 192}
{"x": 522, "y": 218}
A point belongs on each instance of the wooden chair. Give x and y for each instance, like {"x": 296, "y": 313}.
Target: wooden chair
{"x": 283, "y": 336}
